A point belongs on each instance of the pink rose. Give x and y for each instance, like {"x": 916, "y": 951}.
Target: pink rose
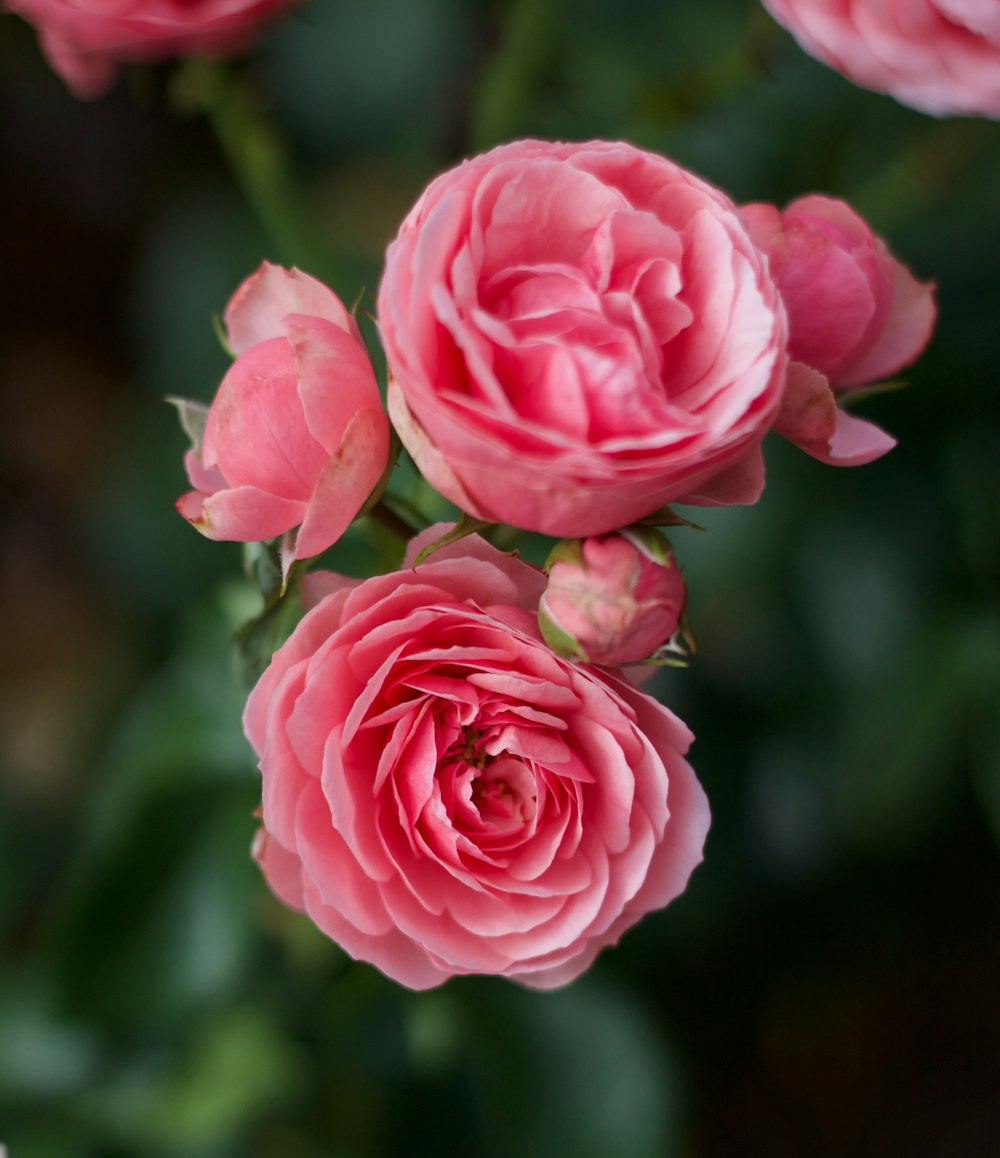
{"x": 612, "y": 599}
{"x": 83, "y": 39}
{"x": 939, "y": 56}
{"x": 855, "y": 316}
{"x": 296, "y": 435}
{"x": 443, "y": 795}
{"x": 577, "y": 334}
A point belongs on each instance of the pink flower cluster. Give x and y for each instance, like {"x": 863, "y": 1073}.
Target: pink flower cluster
{"x": 939, "y": 56}
{"x": 459, "y": 775}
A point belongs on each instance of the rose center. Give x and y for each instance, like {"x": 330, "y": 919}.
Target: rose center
{"x": 499, "y": 790}
{"x": 503, "y": 793}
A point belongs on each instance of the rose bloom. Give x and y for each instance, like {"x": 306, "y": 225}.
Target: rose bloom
{"x": 939, "y": 56}
{"x": 296, "y": 435}
{"x": 578, "y": 334}
{"x": 856, "y": 315}
{"x": 612, "y": 599}
{"x": 444, "y": 795}
{"x": 84, "y": 39}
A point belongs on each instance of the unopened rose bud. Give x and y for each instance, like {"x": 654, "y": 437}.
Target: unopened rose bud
{"x": 612, "y": 599}
{"x": 856, "y": 315}
{"x": 296, "y": 438}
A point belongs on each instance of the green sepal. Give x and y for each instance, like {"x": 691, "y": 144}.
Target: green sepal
{"x": 665, "y": 517}
{"x": 565, "y": 551}
{"x": 465, "y": 526}
{"x": 273, "y": 569}
{"x": 193, "y": 416}
{"x": 559, "y": 640}
{"x": 219, "y": 329}
{"x": 678, "y": 650}
{"x": 654, "y": 545}
{"x": 848, "y": 397}
{"x": 259, "y": 638}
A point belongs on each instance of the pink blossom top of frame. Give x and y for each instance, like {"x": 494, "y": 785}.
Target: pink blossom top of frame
{"x": 84, "y": 39}
{"x": 939, "y": 56}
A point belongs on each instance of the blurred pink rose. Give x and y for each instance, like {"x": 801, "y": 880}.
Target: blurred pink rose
{"x": 443, "y": 795}
{"x": 84, "y": 39}
{"x": 578, "y": 334}
{"x": 296, "y": 435}
{"x": 612, "y": 599}
{"x": 939, "y": 56}
{"x": 855, "y": 316}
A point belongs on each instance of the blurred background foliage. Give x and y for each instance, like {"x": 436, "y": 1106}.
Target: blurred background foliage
{"x": 828, "y": 984}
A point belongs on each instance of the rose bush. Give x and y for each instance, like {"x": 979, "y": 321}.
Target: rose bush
{"x": 612, "y": 599}
{"x": 84, "y": 39}
{"x": 296, "y": 435}
{"x": 939, "y": 56}
{"x": 855, "y": 316}
{"x": 443, "y": 795}
{"x": 577, "y": 334}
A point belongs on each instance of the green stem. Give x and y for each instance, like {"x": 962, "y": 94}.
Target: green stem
{"x": 394, "y": 523}
{"x": 505, "y": 92}
{"x": 255, "y": 154}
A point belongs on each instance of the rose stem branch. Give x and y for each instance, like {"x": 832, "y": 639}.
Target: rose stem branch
{"x": 257, "y": 157}
{"x": 509, "y": 79}
{"x": 394, "y": 523}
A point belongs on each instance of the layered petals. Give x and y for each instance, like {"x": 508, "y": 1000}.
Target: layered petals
{"x": 578, "y": 334}
{"x": 443, "y": 795}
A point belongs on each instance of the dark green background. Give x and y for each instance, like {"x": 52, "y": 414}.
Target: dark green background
{"x": 828, "y": 984}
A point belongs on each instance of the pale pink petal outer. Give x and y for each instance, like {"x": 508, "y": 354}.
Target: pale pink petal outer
{"x": 345, "y": 484}
{"x": 258, "y": 308}
{"x": 256, "y": 433}
{"x": 740, "y": 484}
{"x": 336, "y": 380}
{"x": 906, "y": 331}
{"x": 240, "y": 514}
{"x": 811, "y": 418}
{"x": 281, "y": 868}
{"x": 855, "y": 442}
{"x": 88, "y": 74}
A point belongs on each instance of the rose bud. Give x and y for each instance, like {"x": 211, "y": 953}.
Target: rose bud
{"x": 612, "y": 599}
{"x": 84, "y": 39}
{"x": 296, "y": 436}
{"x": 855, "y": 316}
